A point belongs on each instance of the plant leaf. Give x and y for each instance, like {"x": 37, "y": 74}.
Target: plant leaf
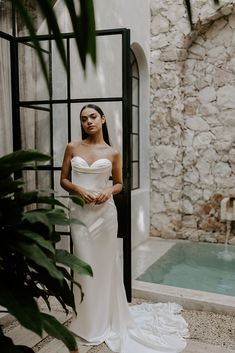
{"x": 17, "y": 160}
{"x": 7, "y": 345}
{"x": 8, "y": 186}
{"x": 49, "y": 14}
{"x": 37, "y": 238}
{"x": 20, "y": 304}
{"x": 57, "y": 330}
{"x": 71, "y": 279}
{"x": 74, "y": 262}
{"x": 34, "y": 253}
{"x": 37, "y": 216}
{"x": 57, "y": 216}
{"x": 27, "y": 198}
{"x": 21, "y": 8}
{"x": 77, "y": 200}
{"x": 88, "y": 27}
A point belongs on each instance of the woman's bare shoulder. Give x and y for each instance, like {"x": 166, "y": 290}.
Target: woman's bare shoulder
{"x": 113, "y": 152}
{"x": 71, "y": 146}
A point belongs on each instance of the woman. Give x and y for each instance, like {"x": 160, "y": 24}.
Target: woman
{"x": 104, "y": 314}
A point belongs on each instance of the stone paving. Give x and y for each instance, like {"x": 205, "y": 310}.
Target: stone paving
{"x": 209, "y": 332}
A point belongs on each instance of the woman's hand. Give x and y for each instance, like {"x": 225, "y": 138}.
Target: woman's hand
{"x": 86, "y": 195}
{"x": 104, "y": 196}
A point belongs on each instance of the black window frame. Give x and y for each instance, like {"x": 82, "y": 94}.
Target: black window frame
{"x": 134, "y": 106}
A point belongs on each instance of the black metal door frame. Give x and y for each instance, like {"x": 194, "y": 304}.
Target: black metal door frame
{"x": 123, "y": 200}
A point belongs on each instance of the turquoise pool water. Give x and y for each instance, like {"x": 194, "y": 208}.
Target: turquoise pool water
{"x": 205, "y": 267}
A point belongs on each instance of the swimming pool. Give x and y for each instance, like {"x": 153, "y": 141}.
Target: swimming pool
{"x": 198, "y": 266}
{"x": 208, "y": 276}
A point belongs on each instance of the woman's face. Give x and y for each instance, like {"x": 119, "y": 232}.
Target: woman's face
{"x": 91, "y": 121}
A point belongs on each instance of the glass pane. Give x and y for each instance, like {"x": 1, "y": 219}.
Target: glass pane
{"x": 62, "y": 196}
{"x": 31, "y": 80}
{"x": 104, "y": 80}
{"x": 135, "y": 91}
{"x": 135, "y": 175}
{"x": 30, "y": 179}
{"x": 59, "y": 75}
{"x": 60, "y": 132}
{"x": 113, "y": 114}
{"x": 37, "y": 179}
{"x": 135, "y": 147}
{"x": 44, "y": 179}
{"x": 35, "y": 130}
{"x": 135, "y": 119}
{"x": 135, "y": 71}
{"x": 64, "y": 243}
{"x": 6, "y": 17}
{"x": 5, "y": 99}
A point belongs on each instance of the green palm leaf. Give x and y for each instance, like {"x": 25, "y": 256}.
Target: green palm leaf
{"x": 83, "y": 28}
{"x": 57, "y": 330}
{"x": 20, "y": 304}
{"x": 49, "y": 14}
{"x": 15, "y": 161}
{"x": 7, "y": 345}
{"x": 76, "y": 264}
{"x": 21, "y": 9}
{"x": 37, "y": 238}
{"x": 37, "y": 256}
{"x": 37, "y": 216}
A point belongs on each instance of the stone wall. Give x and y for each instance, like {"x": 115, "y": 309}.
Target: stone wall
{"x": 192, "y": 119}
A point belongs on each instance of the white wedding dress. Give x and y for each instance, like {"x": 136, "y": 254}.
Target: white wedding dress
{"x": 104, "y": 314}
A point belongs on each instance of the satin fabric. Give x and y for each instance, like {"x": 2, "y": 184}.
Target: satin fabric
{"x": 104, "y": 314}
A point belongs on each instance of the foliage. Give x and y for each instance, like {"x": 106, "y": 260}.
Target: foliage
{"x": 83, "y": 25}
{"x": 30, "y": 265}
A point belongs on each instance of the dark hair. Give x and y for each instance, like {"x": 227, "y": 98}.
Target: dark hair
{"x": 104, "y": 125}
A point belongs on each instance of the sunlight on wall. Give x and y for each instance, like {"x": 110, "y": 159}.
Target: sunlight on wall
{"x": 140, "y": 221}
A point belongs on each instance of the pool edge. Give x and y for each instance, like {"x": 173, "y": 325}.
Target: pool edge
{"x": 187, "y": 298}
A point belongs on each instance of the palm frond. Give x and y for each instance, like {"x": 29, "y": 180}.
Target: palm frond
{"x": 83, "y": 25}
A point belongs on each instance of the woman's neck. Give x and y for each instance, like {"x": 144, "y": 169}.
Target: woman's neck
{"x": 95, "y": 140}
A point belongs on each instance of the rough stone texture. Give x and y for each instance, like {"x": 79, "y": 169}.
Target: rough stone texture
{"x": 192, "y": 123}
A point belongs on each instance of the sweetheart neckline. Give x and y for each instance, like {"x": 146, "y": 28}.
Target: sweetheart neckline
{"x": 90, "y": 165}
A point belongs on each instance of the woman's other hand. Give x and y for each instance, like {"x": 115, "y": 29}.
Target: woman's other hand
{"x": 104, "y": 196}
{"x": 86, "y": 195}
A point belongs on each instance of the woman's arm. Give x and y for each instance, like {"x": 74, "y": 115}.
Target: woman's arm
{"x": 65, "y": 177}
{"x": 65, "y": 174}
{"x": 117, "y": 180}
{"x": 117, "y": 174}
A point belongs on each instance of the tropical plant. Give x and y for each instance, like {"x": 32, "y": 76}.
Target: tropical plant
{"x": 83, "y": 24}
{"x": 30, "y": 265}
{"x": 82, "y": 17}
